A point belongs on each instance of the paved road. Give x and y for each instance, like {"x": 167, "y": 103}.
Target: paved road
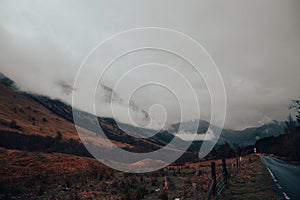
{"x": 286, "y": 176}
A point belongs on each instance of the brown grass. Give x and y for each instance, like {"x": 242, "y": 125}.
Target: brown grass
{"x": 30, "y": 116}
{"x": 252, "y": 182}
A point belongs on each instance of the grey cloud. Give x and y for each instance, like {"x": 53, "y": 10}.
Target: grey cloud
{"x": 66, "y": 87}
{"x": 255, "y": 44}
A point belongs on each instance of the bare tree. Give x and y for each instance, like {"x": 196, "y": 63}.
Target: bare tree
{"x": 296, "y": 105}
{"x": 290, "y": 125}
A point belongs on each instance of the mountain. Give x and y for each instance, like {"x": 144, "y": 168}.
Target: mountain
{"x": 33, "y": 122}
{"x": 20, "y": 113}
{"x": 286, "y": 145}
{"x": 250, "y": 136}
{"x": 189, "y": 126}
{"x": 41, "y": 117}
{"x": 236, "y": 138}
{"x": 112, "y": 129}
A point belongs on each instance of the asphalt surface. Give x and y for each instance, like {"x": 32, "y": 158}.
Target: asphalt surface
{"x": 286, "y": 176}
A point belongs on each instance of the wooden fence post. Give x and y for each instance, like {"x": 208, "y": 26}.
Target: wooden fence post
{"x": 195, "y": 191}
{"x": 214, "y": 178}
{"x": 237, "y": 165}
{"x": 225, "y": 172}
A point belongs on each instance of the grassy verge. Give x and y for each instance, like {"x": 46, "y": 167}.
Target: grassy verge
{"x": 29, "y": 175}
{"x": 252, "y": 182}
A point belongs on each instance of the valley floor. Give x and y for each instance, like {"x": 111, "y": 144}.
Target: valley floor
{"x": 29, "y": 175}
{"x": 36, "y": 175}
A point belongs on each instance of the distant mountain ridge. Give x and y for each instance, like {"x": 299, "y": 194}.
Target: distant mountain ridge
{"x": 40, "y": 123}
{"x": 236, "y": 138}
{"x": 249, "y": 136}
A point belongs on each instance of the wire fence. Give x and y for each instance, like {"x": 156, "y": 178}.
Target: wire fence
{"x": 207, "y": 180}
{"x": 222, "y": 174}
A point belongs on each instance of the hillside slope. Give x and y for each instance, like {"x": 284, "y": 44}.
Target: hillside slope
{"x": 286, "y": 145}
{"x": 36, "y": 123}
{"x": 20, "y": 113}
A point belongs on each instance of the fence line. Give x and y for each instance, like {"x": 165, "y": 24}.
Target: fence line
{"x": 220, "y": 176}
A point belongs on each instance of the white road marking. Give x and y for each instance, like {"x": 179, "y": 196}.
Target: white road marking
{"x": 279, "y": 186}
{"x": 273, "y": 177}
{"x": 286, "y": 196}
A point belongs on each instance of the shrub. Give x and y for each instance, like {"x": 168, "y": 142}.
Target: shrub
{"x": 45, "y": 119}
{"x": 13, "y": 124}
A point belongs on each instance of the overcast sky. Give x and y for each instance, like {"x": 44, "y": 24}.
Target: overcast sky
{"x": 255, "y": 44}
